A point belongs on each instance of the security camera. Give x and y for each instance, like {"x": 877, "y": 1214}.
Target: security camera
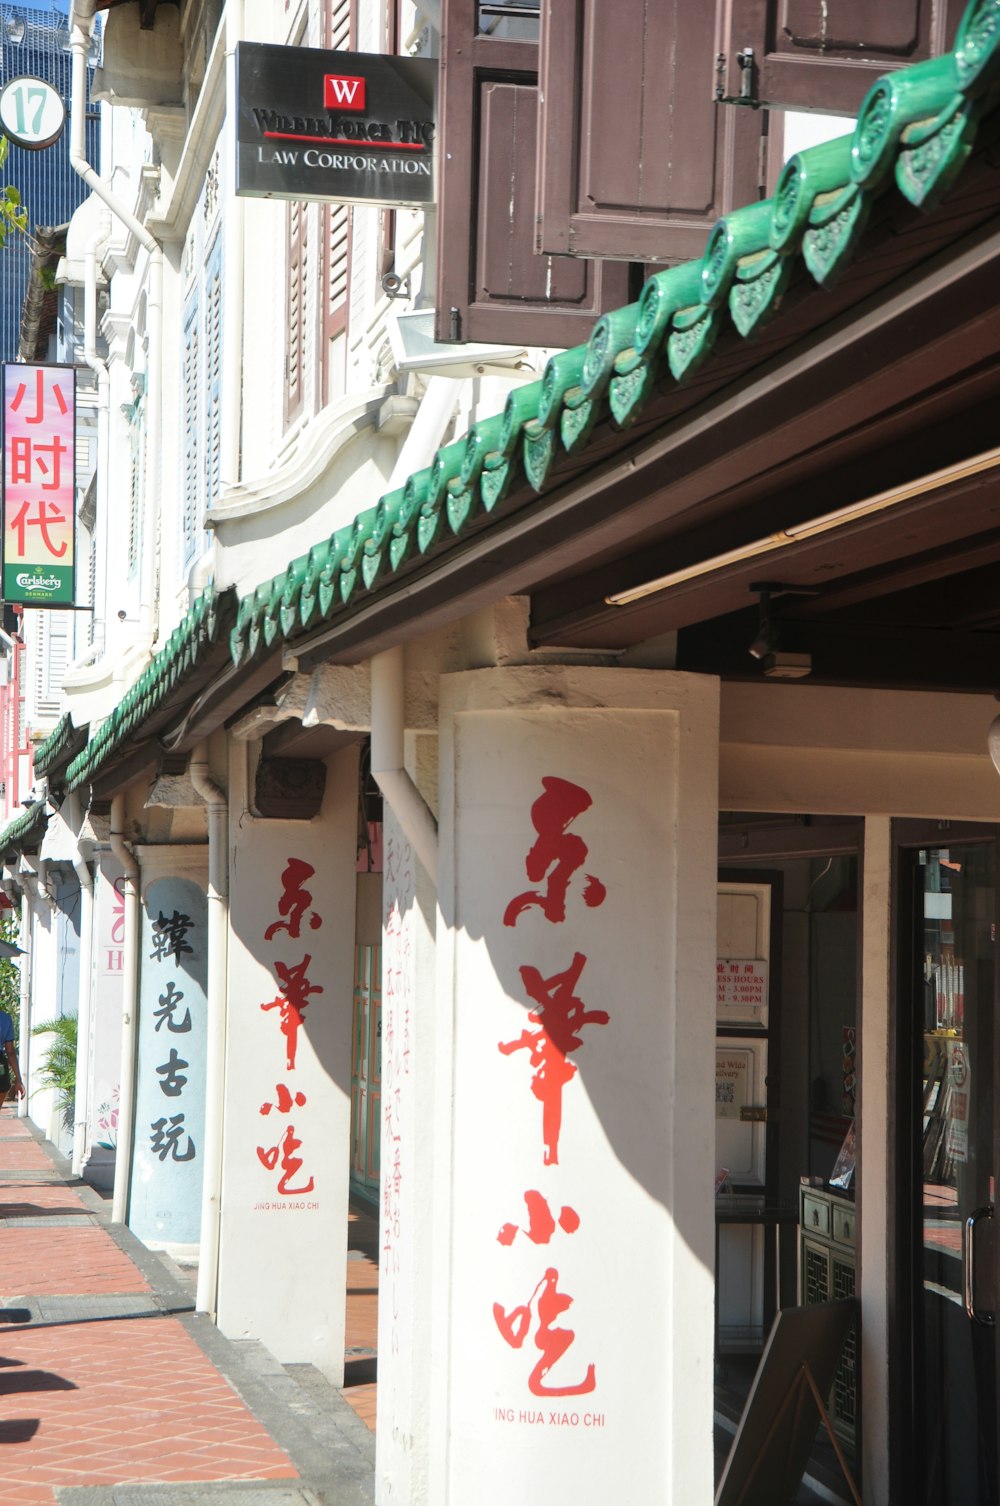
{"x": 122, "y": 615}
{"x": 394, "y": 286}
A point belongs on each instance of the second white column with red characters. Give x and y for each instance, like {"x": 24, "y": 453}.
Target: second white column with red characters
{"x": 283, "y": 1248}
{"x": 573, "y": 1116}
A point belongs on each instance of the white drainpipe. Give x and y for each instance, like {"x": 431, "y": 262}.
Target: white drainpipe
{"x": 84, "y": 1010}
{"x": 215, "y": 1055}
{"x": 100, "y": 370}
{"x": 388, "y": 680}
{"x": 130, "y": 1011}
{"x": 388, "y": 771}
{"x": 232, "y": 329}
{"x": 81, "y": 22}
{"x": 41, "y": 881}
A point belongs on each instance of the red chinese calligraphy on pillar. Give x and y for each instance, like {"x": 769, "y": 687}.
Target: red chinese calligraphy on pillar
{"x": 559, "y": 1019}
{"x": 541, "y": 1221}
{"x": 292, "y": 1002}
{"x": 295, "y": 901}
{"x": 291, "y": 1163}
{"x": 557, "y": 852}
{"x": 552, "y": 1342}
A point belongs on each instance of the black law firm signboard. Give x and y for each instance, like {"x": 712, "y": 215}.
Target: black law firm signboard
{"x": 357, "y": 127}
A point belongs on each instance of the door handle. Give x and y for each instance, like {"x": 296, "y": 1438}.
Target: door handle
{"x": 969, "y": 1265}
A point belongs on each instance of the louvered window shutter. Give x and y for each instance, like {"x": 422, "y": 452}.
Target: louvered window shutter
{"x": 191, "y": 378}
{"x": 92, "y": 589}
{"x": 135, "y": 492}
{"x": 213, "y": 361}
{"x": 298, "y": 274}
{"x": 56, "y": 661}
{"x": 335, "y": 232}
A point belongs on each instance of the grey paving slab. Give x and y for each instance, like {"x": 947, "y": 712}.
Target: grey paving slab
{"x": 77, "y": 1309}
{"x": 49, "y": 1221}
{"x": 9, "y": 1174}
{"x": 214, "y": 1494}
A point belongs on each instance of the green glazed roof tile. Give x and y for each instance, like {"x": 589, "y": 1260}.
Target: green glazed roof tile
{"x": 977, "y": 48}
{"x": 561, "y": 373}
{"x": 482, "y": 440}
{"x": 520, "y": 408}
{"x": 892, "y": 105}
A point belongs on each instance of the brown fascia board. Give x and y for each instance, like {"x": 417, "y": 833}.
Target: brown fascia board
{"x": 802, "y": 397}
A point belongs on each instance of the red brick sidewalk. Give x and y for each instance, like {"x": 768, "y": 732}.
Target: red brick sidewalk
{"x": 361, "y": 1336}
{"x": 109, "y": 1400}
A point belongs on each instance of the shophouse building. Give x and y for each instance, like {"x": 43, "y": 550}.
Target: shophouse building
{"x": 549, "y": 674}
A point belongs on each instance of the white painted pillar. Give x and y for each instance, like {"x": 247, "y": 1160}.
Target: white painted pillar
{"x": 286, "y": 1151}
{"x": 409, "y": 903}
{"x": 571, "y": 1236}
{"x": 875, "y": 1278}
{"x": 168, "y": 1147}
{"x": 104, "y": 1088}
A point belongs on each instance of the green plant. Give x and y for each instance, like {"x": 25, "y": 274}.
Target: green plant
{"x": 10, "y": 969}
{"x": 12, "y": 214}
{"x": 58, "y": 1068}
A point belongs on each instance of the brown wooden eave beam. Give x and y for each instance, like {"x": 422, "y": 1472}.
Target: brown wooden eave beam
{"x": 919, "y": 329}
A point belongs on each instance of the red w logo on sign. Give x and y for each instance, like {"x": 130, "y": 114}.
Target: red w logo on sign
{"x": 343, "y": 93}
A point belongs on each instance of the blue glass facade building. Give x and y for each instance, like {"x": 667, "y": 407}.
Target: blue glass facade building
{"x": 35, "y": 40}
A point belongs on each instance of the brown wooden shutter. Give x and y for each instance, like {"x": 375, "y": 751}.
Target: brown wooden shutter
{"x": 339, "y": 23}
{"x": 336, "y": 232}
{"x": 340, "y": 31}
{"x": 637, "y": 160}
{"x": 491, "y": 285}
{"x": 825, "y": 54}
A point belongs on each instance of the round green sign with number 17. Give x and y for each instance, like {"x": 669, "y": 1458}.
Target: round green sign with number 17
{"x": 32, "y": 114}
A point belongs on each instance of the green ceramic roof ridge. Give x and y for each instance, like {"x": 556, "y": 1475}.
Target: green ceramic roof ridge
{"x": 915, "y": 130}
{"x": 49, "y": 751}
{"x": 182, "y": 652}
{"x": 24, "y": 827}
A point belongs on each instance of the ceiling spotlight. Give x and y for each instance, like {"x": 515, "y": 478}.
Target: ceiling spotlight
{"x": 776, "y": 662}
{"x": 766, "y": 640}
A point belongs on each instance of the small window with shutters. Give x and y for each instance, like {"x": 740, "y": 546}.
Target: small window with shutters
{"x": 491, "y": 284}
{"x": 805, "y": 55}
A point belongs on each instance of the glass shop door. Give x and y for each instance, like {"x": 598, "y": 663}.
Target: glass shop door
{"x": 952, "y": 984}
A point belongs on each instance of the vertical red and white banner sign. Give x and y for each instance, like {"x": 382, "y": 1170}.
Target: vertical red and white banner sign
{"x": 39, "y": 485}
